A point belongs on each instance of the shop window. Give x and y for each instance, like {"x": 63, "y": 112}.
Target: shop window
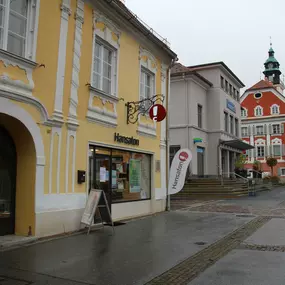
{"x": 124, "y": 176}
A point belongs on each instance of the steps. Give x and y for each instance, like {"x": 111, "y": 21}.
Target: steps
{"x": 212, "y": 188}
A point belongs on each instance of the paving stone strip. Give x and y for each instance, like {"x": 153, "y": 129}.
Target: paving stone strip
{"x": 190, "y": 268}
{"x": 278, "y": 248}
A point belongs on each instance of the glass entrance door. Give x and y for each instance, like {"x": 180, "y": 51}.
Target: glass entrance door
{"x": 7, "y": 183}
{"x": 200, "y": 161}
{"x": 102, "y": 170}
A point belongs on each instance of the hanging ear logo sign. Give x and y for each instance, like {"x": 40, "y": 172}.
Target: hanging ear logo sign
{"x": 157, "y": 113}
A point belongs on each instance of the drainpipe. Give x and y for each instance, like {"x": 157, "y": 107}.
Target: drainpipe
{"x": 167, "y": 208}
{"x": 219, "y": 154}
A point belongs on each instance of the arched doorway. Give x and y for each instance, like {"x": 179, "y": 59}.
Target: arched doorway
{"x": 8, "y": 167}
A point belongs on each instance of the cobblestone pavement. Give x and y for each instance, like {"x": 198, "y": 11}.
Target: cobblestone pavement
{"x": 186, "y": 204}
{"x": 189, "y": 269}
{"x": 263, "y": 208}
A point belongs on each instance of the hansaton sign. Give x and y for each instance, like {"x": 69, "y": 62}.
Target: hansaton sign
{"x": 157, "y": 113}
{"x": 178, "y": 170}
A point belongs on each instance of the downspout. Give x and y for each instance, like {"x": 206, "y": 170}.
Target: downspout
{"x": 219, "y": 154}
{"x": 167, "y": 208}
{"x": 188, "y": 121}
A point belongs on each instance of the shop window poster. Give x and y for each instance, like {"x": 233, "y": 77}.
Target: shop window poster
{"x": 135, "y": 175}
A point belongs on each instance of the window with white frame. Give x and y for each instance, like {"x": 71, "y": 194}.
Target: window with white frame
{"x": 274, "y": 109}
{"x": 104, "y": 67}
{"x": 276, "y": 129}
{"x": 276, "y": 150}
{"x": 259, "y": 130}
{"x": 258, "y": 111}
{"x": 244, "y": 112}
{"x": 260, "y": 151}
{"x": 244, "y": 131}
{"x": 282, "y": 171}
{"x": 146, "y": 84}
{"x": 16, "y": 33}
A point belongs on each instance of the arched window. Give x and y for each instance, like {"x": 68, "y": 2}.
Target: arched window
{"x": 274, "y": 109}
{"x": 258, "y": 111}
{"x": 276, "y": 145}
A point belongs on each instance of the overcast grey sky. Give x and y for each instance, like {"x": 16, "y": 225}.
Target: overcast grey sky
{"x": 234, "y": 31}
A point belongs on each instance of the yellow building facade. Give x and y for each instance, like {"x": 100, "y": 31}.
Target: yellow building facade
{"x": 68, "y": 68}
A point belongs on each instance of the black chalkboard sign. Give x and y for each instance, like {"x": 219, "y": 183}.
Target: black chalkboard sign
{"x": 97, "y": 203}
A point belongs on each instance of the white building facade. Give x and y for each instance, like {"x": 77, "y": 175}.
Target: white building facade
{"x": 206, "y": 117}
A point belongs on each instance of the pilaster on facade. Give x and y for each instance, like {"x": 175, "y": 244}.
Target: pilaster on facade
{"x": 60, "y": 78}
{"x": 79, "y": 20}
{"x": 56, "y": 131}
{"x": 70, "y": 160}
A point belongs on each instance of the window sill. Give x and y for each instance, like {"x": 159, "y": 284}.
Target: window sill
{"x": 104, "y": 95}
{"x": 17, "y": 59}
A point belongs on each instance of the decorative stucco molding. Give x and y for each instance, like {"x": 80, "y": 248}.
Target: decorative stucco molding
{"x": 59, "y": 92}
{"x": 79, "y": 17}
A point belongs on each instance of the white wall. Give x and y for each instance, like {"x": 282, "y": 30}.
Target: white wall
{"x": 177, "y": 106}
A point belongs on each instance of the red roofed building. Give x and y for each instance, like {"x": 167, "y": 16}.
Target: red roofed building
{"x": 263, "y": 118}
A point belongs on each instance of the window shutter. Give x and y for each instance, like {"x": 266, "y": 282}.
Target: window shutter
{"x": 265, "y": 129}
{"x": 265, "y": 150}
{"x": 253, "y": 130}
{"x": 270, "y": 129}
{"x": 249, "y": 130}
{"x": 283, "y": 150}
{"x": 279, "y": 172}
{"x": 254, "y": 152}
{"x": 282, "y": 128}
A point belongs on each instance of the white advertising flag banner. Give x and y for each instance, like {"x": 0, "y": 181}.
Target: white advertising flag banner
{"x": 178, "y": 170}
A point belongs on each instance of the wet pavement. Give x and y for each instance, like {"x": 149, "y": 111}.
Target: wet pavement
{"x": 138, "y": 252}
{"x": 146, "y": 248}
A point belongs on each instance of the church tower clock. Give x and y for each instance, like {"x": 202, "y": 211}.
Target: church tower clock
{"x": 272, "y": 72}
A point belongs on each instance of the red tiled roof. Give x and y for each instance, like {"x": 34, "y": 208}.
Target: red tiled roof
{"x": 261, "y": 85}
{"x": 178, "y": 67}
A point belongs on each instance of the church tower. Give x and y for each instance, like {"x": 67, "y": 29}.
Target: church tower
{"x": 272, "y": 72}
